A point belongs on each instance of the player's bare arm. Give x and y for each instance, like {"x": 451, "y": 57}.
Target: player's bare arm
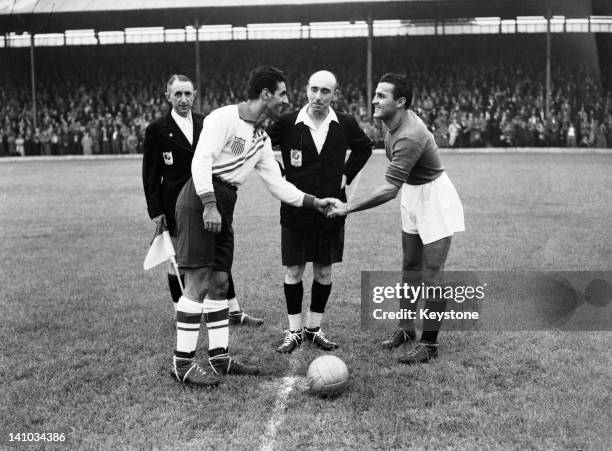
{"x": 384, "y": 193}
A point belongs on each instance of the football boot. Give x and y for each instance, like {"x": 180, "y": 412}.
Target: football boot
{"x": 240, "y": 318}
{"x": 317, "y": 336}
{"x": 224, "y": 364}
{"x": 398, "y": 338}
{"x": 423, "y": 352}
{"x": 292, "y": 340}
{"x": 188, "y": 371}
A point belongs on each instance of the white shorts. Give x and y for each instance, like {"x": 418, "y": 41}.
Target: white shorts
{"x": 433, "y": 210}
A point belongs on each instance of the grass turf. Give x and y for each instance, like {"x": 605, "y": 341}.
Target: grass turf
{"x": 87, "y": 335}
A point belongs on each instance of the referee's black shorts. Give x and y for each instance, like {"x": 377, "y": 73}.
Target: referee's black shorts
{"x": 196, "y": 247}
{"x": 320, "y": 246}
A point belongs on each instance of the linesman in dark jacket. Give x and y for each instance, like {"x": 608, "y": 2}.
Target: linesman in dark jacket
{"x": 314, "y": 143}
{"x": 169, "y": 146}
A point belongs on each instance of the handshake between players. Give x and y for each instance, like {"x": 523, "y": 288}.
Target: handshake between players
{"x": 332, "y": 207}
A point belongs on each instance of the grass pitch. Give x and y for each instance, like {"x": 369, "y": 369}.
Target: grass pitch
{"x": 87, "y": 336}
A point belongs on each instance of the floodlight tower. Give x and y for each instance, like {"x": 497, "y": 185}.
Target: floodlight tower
{"x": 198, "y": 103}
{"x": 548, "y": 38}
{"x": 369, "y": 65}
{"x": 33, "y": 82}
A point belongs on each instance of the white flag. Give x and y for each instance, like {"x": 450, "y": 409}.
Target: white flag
{"x": 161, "y": 249}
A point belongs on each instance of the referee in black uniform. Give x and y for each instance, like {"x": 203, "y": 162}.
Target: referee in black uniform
{"x": 314, "y": 143}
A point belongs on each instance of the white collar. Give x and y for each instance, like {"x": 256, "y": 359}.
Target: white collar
{"x": 178, "y": 118}
{"x": 303, "y": 117}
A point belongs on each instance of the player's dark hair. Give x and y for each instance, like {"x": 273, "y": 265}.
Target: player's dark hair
{"x": 263, "y": 77}
{"x": 179, "y": 77}
{"x": 401, "y": 86}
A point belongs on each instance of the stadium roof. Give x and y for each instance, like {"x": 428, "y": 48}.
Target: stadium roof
{"x": 48, "y": 16}
{"x": 58, "y": 6}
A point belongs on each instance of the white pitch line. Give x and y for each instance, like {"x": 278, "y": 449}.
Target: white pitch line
{"x": 280, "y": 405}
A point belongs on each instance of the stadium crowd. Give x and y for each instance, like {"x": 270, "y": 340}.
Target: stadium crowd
{"x": 92, "y": 105}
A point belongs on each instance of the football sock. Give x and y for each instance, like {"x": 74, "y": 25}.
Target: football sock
{"x": 319, "y": 296}
{"x": 295, "y": 322}
{"x": 412, "y": 278}
{"x": 293, "y": 296}
{"x": 431, "y": 327}
{"x": 175, "y": 287}
{"x": 314, "y": 320}
{"x": 233, "y": 305}
{"x": 188, "y": 319}
{"x": 231, "y": 295}
{"x": 216, "y": 315}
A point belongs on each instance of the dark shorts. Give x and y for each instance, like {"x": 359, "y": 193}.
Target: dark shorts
{"x": 320, "y": 246}
{"x": 196, "y": 247}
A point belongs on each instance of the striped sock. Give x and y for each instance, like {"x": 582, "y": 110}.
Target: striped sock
{"x": 231, "y": 295}
{"x": 216, "y": 315}
{"x": 188, "y": 319}
{"x": 233, "y": 305}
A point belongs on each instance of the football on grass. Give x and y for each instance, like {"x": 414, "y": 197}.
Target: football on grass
{"x": 327, "y": 375}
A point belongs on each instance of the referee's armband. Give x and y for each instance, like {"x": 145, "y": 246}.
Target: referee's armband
{"x": 308, "y": 201}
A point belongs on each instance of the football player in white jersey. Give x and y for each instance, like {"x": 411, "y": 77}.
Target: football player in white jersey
{"x": 233, "y": 143}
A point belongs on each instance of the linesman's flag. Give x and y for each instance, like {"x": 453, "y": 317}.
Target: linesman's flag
{"x": 161, "y": 248}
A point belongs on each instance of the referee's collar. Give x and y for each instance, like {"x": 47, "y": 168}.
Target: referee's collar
{"x": 305, "y": 118}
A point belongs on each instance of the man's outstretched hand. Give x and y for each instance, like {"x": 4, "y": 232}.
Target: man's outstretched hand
{"x": 321, "y": 205}
{"x": 336, "y": 208}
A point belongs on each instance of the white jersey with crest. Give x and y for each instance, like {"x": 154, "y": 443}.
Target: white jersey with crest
{"x": 230, "y": 148}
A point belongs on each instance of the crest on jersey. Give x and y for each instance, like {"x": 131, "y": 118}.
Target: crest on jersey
{"x": 168, "y": 158}
{"x": 296, "y": 158}
{"x": 238, "y": 146}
